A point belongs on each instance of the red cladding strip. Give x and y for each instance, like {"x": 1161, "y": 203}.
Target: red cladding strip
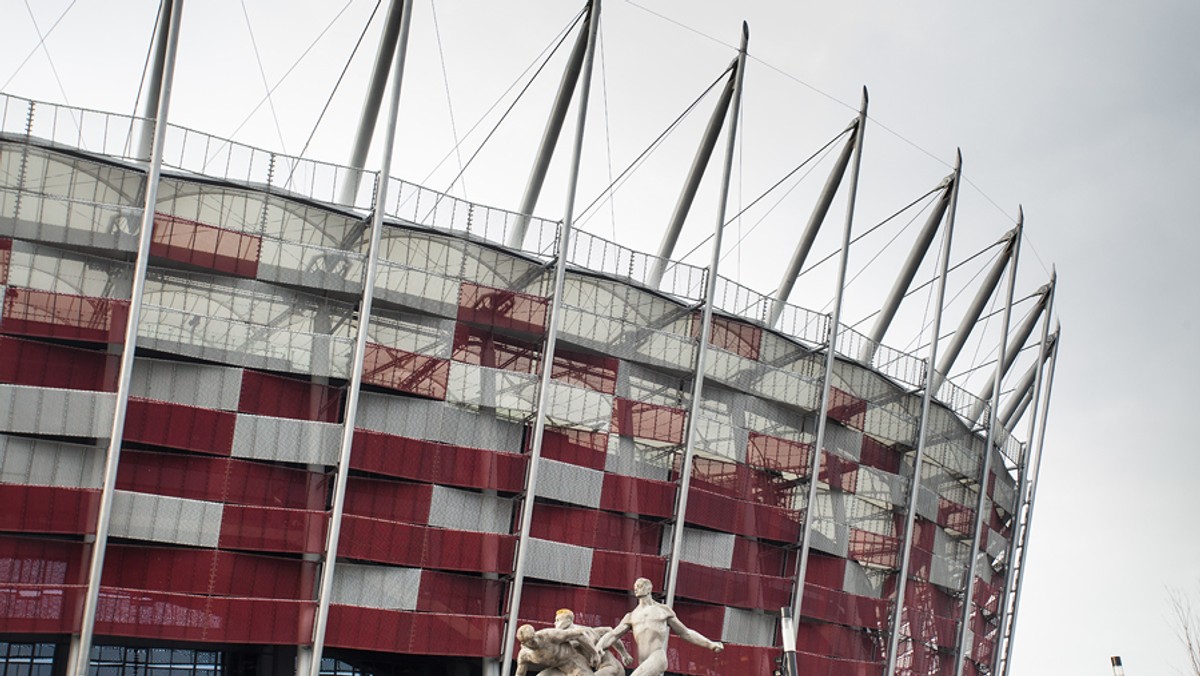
{"x": 880, "y": 456}
{"x": 272, "y": 530}
{"x": 48, "y": 509}
{"x": 502, "y": 308}
{"x": 46, "y": 314}
{"x": 5, "y": 259}
{"x": 210, "y": 619}
{"x": 406, "y": 372}
{"x": 646, "y": 497}
{"x": 595, "y": 372}
{"x": 732, "y": 335}
{"x": 614, "y": 570}
{"x": 208, "y": 571}
{"x": 395, "y": 631}
{"x": 266, "y": 394}
{"x": 838, "y": 642}
{"x": 180, "y": 426}
{"x": 685, "y": 658}
{"x": 642, "y": 420}
{"x": 389, "y": 500}
{"x": 186, "y": 241}
{"x": 955, "y": 517}
{"x": 595, "y": 529}
{"x": 435, "y": 462}
{"x": 228, "y": 480}
{"x": 459, "y": 594}
{"x": 726, "y": 587}
{"x": 34, "y": 561}
{"x": 736, "y": 480}
{"x": 873, "y": 548}
{"x": 831, "y": 605}
{"x": 742, "y": 518}
{"x": 401, "y": 544}
{"x": 774, "y": 453}
{"x": 764, "y": 558}
{"x": 578, "y": 447}
{"x": 31, "y": 362}
{"x": 847, "y": 408}
{"x": 592, "y": 607}
{"x": 838, "y": 472}
{"x": 482, "y": 347}
{"x": 41, "y": 609}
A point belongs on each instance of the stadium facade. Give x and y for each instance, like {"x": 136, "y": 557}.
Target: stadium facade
{"x": 232, "y": 436}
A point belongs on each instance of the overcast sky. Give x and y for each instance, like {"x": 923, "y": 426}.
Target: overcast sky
{"x": 1083, "y": 112}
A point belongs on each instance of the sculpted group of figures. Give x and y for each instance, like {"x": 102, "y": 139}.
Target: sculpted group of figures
{"x": 567, "y": 649}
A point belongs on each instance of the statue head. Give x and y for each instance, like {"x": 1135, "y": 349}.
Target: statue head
{"x": 564, "y": 618}
{"x": 642, "y": 587}
{"x": 526, "y": 635}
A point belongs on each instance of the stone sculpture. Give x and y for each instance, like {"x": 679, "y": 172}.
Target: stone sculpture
{"x": 608, "y": 666}
{"x": 556, "y": 652}
{"x": 651, "y": 623}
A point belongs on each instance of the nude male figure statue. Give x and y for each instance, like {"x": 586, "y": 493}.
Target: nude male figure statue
{"x": 556, "y": 652}
{"x": 609, "y": 666}
{"x": 651, "y": 623}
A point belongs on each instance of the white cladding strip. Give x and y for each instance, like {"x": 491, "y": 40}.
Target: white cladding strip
{"x": 160, "y": 518}
{"x": 558, "y": 562}
{"x": 435, "y": 421}
{"x": 206, "y": 386}
{"x": 748, "y": 627}
{"x": 40, "y": 462}
{"x": 572, "y": 406}
{"x": 466, "y": 510}
{"x": 701, "y": 547}
{"x": 260, "y": 437}
{"x": 570, "y": 483}
{"x": 50, "y": 411}
{"x": 480, "y": 386}
{"x": 386, "y": 587}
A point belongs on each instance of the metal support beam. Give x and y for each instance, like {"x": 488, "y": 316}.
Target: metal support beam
{"x": 814, "y": 463}
{"x": 558, "y": 113}
{"x": 1024, "y": 514}
{"x": 560, "y": 274}
{"x": 79, "y": 661}
{"x": 1015, "y": 346}
{"x": 688, "y": 194}
{"x": 154, "y": 84}
{"x": 685, "y": 468}
{"x": 814, "y": 225}
{"x": 370, "y": 109}
{"x": 923, "y": 432}
{"x": 888, "y": 312}
{"x": 971, "y": 317}
{"x": 1033, "y": 486}
{"x": 1022, "y": 394}
{"x": 360, "y": 347}
{"x": 964, "y": 630}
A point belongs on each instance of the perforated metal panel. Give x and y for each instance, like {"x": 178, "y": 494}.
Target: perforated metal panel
{"x": 628, "y": 457}
{"x": 310, "y": 266}
{"x": 844, "y": 441}
{"x": 830, "y": 534}
{"x": 569, "y": 483}
{"x": 480, "y": 386}
{"x": 702, "y": 547}
{"x": 558, "y": 562}
{"x": 570, "y": 406}
{"x": 434, "y": 420}
{"x": 748, "y": 627}
{"x": 466, "y": 510}
{"x": 159, "y": 518}
{"x": 376, "y": 586}
{"x": 881, "y": 486}
{"x": 41, "y": 462}
{"x": 55, "y": 412}
{"x": 267, "y": 438}
{"x": 202, "y": 385}
{"x": 863, "y": 581}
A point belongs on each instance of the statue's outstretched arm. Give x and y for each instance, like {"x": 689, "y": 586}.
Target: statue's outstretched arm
{"x": 613, "y": 635}
{"x": 693, "y": 636}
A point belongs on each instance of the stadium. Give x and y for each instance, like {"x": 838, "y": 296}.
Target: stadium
{"x": 530, "y": 418}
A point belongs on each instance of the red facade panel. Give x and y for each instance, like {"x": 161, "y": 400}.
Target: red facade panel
{"x": 48, "y": 509}
{"x": 868, "y": 547}
{"x": 46, "y": 314}
{"x": 189, "y": 428}
{"x": 435, "y": 462}
{"x": 731, "y": 335}
{"x": 593, "y": 371}
{"x": 483, "y": 347}
{"x": 838, "y": 472}
{"x": 37, "y": 561}
{"x": 732, "y": 588}
{"x": 5, "y": 259}
{"x": 185, "y": 617}
{"x": 186, "y": 241}
{"x": 642, "y": 420}
{"x": 30, "y": 362}
{"x": 578, "y": 447}
{"x": 763, "y": 558}
{"x": 502, "y": 308}
{"x": 228, "y": 480}
{"x": 846, "y": 408}
{"x": 407, "y": 372}
{"x": 267, "y": 394}
{"x": 595, "y": 529}
{"x": 592, "y": 607}
{"x": 740, "y": 481}
{"x": 841, "y": 642}
{"x": 634, "y": 495}
{"x": 956, "y": 517}
{"x": 41, "y": 609}
{"x": 831, "y": 605}
{"x": 389, "y": 500}
{"x": 780, "y": 455}
{"x": 615, "y": 570}
{"x": 208, "y": 571}
{"x": 402, "y": 544}
{"x": 413, "y": 633}
{"x": 750, "y": 519}
{"x": 459, "y": 594}
{"x": 266, "y": 529}
{"x": 880, "y": 455}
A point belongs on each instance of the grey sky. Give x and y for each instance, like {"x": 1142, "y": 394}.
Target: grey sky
{"x": 1086, "y": 113}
